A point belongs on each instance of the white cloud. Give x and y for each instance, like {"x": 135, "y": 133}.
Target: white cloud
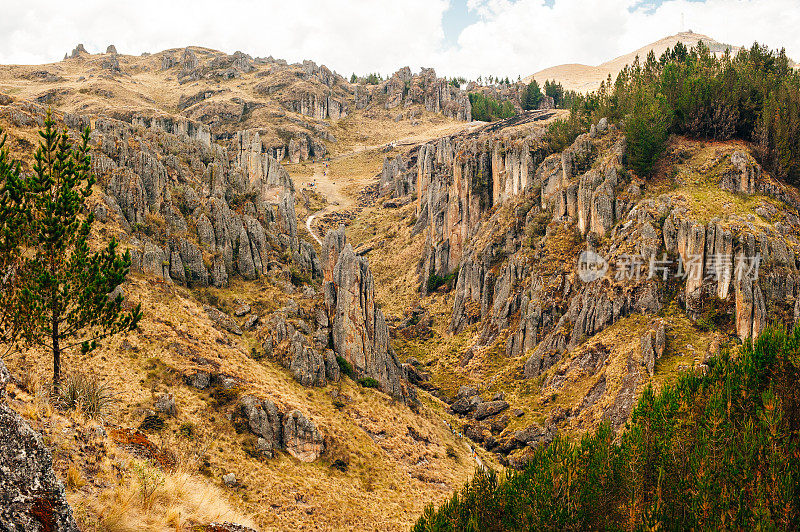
{"x": 509, "y": 38}
{"x": 359, "y": 35}
{"x": 524, "y": 36}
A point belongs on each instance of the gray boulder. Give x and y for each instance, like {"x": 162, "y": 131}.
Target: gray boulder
{"x": 264, "y": 420}
{"x": 301, "y": 437}
{"x": 166, "y": 404}
{"x": 489, "y": 408}
{"x": 222, "y": 320}
{"x": 32, "y": 499}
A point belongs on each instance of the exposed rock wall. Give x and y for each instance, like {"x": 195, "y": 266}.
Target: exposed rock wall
{"x": 398, "y": 177}
{"x": 300, "y": 343}
{"x": 173, "y": 189}
{"x": 318, "y": 106}
{"x": 500, "y": 231}
{"x": 358, "y": 328}
{"x": 459, "y": 180}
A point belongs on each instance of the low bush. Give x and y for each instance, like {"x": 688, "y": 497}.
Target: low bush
{"x": 86, "y": 394}
{"x": 345, "y": 367}
{"x": 368, "y": 382}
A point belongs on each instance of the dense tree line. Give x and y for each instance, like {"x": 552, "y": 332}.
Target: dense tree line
{"x": 488, "y": 109}
{"x": 532, "y": 96}
{"x": 713, "y": 451}
{"x": 753, "y": 95}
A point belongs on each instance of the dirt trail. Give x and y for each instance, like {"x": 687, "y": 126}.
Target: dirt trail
{"x": 337, "y": 189}
{"x": 310, "y": 218}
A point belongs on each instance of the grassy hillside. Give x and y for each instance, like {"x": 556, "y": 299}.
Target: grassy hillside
{"x": 719, "y": 450}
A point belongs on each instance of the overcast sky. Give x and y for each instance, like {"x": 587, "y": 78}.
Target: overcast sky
{"x": 457, "y": 37}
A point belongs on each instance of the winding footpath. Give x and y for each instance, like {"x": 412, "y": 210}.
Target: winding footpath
{"x": 309, "y": 221}
{"x": 404, "y": 141}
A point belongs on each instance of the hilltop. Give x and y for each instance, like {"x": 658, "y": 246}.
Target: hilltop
{"x": 586, "y": 78}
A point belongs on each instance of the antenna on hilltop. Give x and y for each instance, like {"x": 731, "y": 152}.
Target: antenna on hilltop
{"x": 683, "y": 21}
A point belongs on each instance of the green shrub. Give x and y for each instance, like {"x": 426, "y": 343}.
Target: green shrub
{"x": 299, "y": 278}
{"x": 647, "y": 131}
{"x": 368, "y": 382}
{"x": 188, "y": 430}
{"x": 436, "y": 281}
{"x": 345, "y": 367}
{"x": 719, "y": 450}
{"x": 488, "y": 109}
{"x": 152, "y": 423}
{"x": 148, "y": 479}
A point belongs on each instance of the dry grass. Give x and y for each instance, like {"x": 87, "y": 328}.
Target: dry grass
{"x": 164, "y": 501}
{"x": 374, "y": 128}
{"x": 390, "y": 476}
{"x": 691, "y": 172}
{"x": 394, "y": 256}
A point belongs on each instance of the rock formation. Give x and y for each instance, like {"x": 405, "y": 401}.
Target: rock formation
{"x": 510, "y": 222}
{"x": 404, "y": 89}
{"x": 291, "y": 431}
{"x": 358, "y": 327}
{"x": 653, "y": 345}
{"x": 32, "y": 498}
{"x": 182, "y": 226}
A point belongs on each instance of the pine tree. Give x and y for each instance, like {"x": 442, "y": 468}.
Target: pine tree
{"x": 353, "y": 78}
{"x": 63, "y": 286}
{"x": 647, "y": 130}
{"x": 13, "y": 224}
{"x": 532, "y": 96}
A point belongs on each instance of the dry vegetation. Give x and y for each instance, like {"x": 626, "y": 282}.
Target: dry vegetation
{"x": 390, "y": 475}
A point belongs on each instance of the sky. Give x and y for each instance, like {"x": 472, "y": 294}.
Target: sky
{"x": 457, "y": 37}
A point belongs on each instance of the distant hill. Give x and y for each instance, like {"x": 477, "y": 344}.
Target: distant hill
{"x": 585, "y": 78}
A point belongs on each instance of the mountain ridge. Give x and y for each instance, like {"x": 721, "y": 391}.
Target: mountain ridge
{"x": 586, "y": 78}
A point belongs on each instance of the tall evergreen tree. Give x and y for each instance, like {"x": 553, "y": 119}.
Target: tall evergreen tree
{"x": 532, "y": 96}
{"x": 63, "y": 287}
{"x": 14, "y": 219}
{"x": 647, "y": 130}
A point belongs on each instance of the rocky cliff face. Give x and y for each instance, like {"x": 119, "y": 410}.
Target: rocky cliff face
{"x": 459, "y": 180}
{"x": 197, "y": 212}
{"x": 358, "y": 327}
{"x": 586, "y": 190}
{"x": 550, "y": 252}
{"x": 300, "y": 340}
{"x": 398, "y": 177}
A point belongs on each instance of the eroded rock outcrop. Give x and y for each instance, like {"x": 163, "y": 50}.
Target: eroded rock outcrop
{"x": 653, "y": 346}
{"x": 358, "y": 328}
{"x": 513, "y": 227}
{"x": 277, "y": 430}
{"x": 404, "y": 89}
{"x": 171, "y": 188}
